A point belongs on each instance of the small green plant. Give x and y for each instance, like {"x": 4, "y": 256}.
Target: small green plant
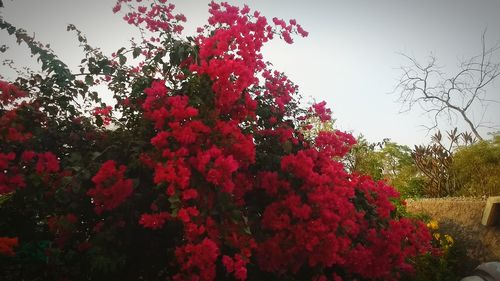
{"x": 445, "y": 263}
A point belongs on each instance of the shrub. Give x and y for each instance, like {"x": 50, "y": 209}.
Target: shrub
{"x": 435, "y": 162}
{"x": 199, "y": 171}
{"x": 477, "y": 168}
{"x": 448, "y": 262}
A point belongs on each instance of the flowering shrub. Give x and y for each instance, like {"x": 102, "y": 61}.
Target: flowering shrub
{"x": 447, "y": 261}
{"x": 200, "y": 171}
{"x": 444, "y": 241}
{"x": 7, "y": 246}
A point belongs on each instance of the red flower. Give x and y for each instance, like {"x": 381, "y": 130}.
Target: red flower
{"x": 5, "y": 159}
{"x": 104, "y": 113}
{"x": 154, "y": 221}
{"x": 7, "y": 246}
{"x": 321, "y": 111}
{"x": 334, "y": 144}
{"x": 189, "y": 194}
{"x": 228, "y": 263}
{"x": 47, "y": 163}
{"x": 28, "y": 155}
{"x": 62, "y": 227}
{"x": 198, "y": 260}
{"x": 221, "y": 172}
{"x": 84, "y": 246}
{"x": 117, "y": 8}
{"x": 10, "y": 179}
{"x": 111, "y": 189}
{"x": 9, "y": 93}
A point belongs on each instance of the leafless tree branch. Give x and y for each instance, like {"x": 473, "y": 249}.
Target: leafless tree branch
{"x": 441, "y": 95}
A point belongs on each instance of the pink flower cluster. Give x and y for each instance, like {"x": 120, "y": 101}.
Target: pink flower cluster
{"x": 9, "y": 93}
{"x": 312, "y": 215}
{"x": 111, "y": 187}
{"x": 62, "y": 227}
{"x": 154, "y": 221}
{"x": 157, "y": 17}
{"x": 12, "y": 129}
{"x": 12, "y": 172}
{"x": 104, "y": 113}
{"x": 321, "y": 111}
{"x": 7, "y": 245}
{"x": 10, "y": 178}
{"x": 231, "y": 56}
{"x": 228, "y": 165}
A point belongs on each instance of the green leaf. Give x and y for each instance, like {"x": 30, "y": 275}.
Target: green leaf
{"x": 89, "y": 80}
{"x": 95, "y": 155}
{"x": 98, "y": 121}
{"x": 174, "y": 199}
{"x": 75, "y": 157}
{"x": 107, "y": 70}
{"x": 136, "y": 183}
{"x": 136, "y": 52}
{"x": 247, "y": 230}
{"x": 102, "y": 63}
{"x": 35, "y": 250}
{"x": 5, "y": 197}
{"x": 11, "y": 30}
{"x": 122, "y": 59}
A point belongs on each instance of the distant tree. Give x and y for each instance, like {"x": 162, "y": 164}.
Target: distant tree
{"x": 452, "y": 96}
{"x": 363, "y": 158}
{"x": 435, "y": 162}
{"x": 477, "y": 168}
{"x": 400, "y": 170}
{"x": 387, "y": 161}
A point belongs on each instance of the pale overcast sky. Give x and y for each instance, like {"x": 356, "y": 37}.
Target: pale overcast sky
{"x": 350, "y": 58}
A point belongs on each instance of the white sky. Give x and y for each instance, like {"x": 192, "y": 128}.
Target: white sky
{"x": 349, "y": 59}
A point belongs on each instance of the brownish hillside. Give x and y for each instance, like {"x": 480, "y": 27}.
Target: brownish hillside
{"x": 461, "y": 217}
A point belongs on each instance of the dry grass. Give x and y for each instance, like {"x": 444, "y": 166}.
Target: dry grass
{"x": 461, "y": 217}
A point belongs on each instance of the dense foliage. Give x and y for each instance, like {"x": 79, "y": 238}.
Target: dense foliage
{"x": 457, "y": 165}
{"x": 449, "y": 264}
{"x": 201, "y": 170}
{"x": 387, "y": 161}
{"x": 477, "y": 168}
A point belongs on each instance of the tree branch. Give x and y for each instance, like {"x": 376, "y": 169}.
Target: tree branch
{"x": 453, "y": 96}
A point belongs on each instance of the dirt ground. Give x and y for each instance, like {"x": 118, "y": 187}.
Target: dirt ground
{"x": 461, "y": 218}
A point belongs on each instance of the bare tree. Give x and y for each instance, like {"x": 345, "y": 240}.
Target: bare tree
{"x": 453, "y": 96}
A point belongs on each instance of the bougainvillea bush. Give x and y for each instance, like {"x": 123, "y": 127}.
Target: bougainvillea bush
{"x": 198, "y": 170}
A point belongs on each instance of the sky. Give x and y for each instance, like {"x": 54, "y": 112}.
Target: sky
{"x": 351, "y": 58}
